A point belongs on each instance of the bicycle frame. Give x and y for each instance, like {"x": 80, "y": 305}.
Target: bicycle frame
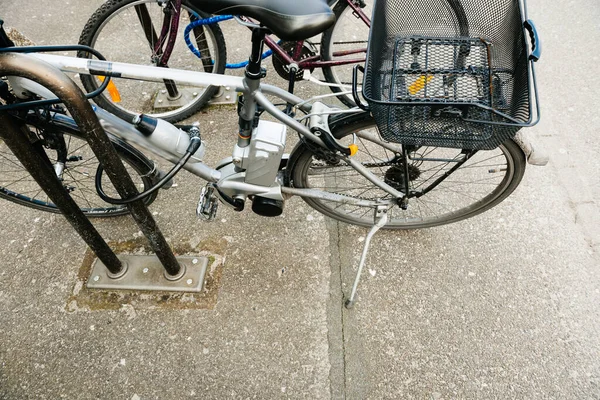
{"x": 314, "y": 61}
{"x": 243, "y": 85}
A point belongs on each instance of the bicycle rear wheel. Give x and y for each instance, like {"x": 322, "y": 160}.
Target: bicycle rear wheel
{"x": 126, "y": 31}
{"x": 476, "y": 185}
{"x": 18, "y": 186}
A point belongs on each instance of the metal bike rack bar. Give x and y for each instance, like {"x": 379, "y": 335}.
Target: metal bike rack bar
{"x": 39, "y": 167}
{"x": 64, "y": 88}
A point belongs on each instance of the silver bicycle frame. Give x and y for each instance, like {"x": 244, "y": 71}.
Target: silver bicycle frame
{"x": 128, "y": 132}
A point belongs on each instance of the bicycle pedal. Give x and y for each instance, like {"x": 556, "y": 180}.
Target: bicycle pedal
{"x": 207, "y": 204}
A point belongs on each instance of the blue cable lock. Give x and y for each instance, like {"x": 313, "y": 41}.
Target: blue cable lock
{"x": 209, "y": 21}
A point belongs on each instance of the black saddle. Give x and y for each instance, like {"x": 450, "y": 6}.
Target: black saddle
{"x": 288, "y": 19}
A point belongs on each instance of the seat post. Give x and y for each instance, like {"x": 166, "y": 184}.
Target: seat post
{"x": 254, "y": 73}
{"x": 253, "y": 70}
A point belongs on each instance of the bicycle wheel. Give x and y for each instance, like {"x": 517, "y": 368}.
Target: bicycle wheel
{"x": 478, "y": 184}
{"x": 125, "y": 31}
{"x": 78, "y": 176}
{"x": 346, "y": 40}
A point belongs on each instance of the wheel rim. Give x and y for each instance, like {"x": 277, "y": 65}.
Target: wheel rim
{"x": 481, "y": 182}
{"x": 78, "y": 178}
{"x": 120, "y": 38}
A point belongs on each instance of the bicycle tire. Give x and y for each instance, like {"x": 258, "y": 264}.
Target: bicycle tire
{"x": 345, "y": 19}
{"x": 16, "y": 185}
{"x": 498, "y": 171}
{"x": 114, "y": 23}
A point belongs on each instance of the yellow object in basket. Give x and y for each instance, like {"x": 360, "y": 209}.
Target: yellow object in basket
{"x": 419, "y": 84}
{"x": 112, "y": 90}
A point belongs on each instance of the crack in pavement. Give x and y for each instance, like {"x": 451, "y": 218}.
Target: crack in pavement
{"x": 336, "y": 316}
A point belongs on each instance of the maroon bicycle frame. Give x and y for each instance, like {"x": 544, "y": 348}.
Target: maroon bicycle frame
{"x": 315, "y": 61}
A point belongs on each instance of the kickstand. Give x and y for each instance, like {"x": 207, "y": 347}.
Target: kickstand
{"x": 381, "y": 218}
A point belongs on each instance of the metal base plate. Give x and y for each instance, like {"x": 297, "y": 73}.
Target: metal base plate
{"x": 147, "y": 273}
{"x": 225, "y": 95}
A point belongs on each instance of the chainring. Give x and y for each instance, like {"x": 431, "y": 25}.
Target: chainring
{"x": 283, "y": 69}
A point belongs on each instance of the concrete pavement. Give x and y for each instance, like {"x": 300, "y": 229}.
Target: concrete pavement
{"x": 504, "y": 305}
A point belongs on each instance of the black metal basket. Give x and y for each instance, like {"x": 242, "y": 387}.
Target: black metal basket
{"x": 450, "y": 73}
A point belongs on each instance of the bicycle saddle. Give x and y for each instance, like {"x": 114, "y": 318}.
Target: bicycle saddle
{"x": 288, "y": 19}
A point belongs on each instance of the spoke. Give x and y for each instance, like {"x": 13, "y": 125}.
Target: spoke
{"x": 432, "y": 176}
{"x": 369, "y": 153}
{"x": 37, "y": 193}
{"x": 441, "y": 165}
{"x": 367, "y": 211}
{"x": 75, "y": 180}
{"x": 82, "y": 193}
{"x": 25, "y": 178}
{"x": 345, "y": 176}
{"x": 426, "y": 204}
{"x": 482, "y": 181}
{"x": 78, "y": 199}
{"x": 81, "y": 173}
{"x": 11, "y": 171}
{"x": 11, "y": 161}
{"x": 420, "y": 209}
{"x": 484, "y": 165}
{"x": 363, "y": 192}
{"x": 346, "y": 172}
{"x": 427, "y": 153}
{"x": 486, "y": 159}
{"x": 87, "y": 162}
{"x": 348, "y": 210}
{"x": 79, "y": 148}
{"x": 462, "y": 193}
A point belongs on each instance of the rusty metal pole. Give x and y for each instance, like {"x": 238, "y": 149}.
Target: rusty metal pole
{"x": 74, "y": 100}
{"x": 39, "y": 167}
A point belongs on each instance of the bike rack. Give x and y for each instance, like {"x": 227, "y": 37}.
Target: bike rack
{"x": 109, "y": 271}
{"x": 224, "y": 96}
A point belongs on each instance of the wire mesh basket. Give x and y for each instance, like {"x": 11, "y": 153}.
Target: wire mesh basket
{"x": 449, "y": 73}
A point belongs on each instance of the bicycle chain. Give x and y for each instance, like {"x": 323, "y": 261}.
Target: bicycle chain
{"x": 330, "y": 158}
